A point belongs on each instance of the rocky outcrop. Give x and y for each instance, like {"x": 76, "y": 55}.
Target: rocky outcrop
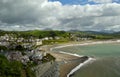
{"x": 50, "y": 69}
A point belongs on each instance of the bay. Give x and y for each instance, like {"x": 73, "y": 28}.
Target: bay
{"x": 107, "y": 63}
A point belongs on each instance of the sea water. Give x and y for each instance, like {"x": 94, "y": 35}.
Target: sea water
{"x": 107, "y": 63}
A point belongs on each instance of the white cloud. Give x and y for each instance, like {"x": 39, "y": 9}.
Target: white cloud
{"x": 101, "y": 1}
{"x": 40, "y": 14}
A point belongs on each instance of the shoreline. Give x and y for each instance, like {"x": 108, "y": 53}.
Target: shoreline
{"x": 82, "y": 44}
{"x": 85, "y": 43}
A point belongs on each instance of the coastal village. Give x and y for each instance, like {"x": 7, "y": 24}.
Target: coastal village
{"x": 20, "y": 49}
{"x": 12, "y": 45}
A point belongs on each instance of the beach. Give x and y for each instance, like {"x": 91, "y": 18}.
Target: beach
{"x": 67, "y": 62}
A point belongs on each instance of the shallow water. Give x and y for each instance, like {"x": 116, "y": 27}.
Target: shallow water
{"x": 107, "y": 63}
{"x": 107, "y": 67}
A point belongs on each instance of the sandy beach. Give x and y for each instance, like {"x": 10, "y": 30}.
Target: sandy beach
{"x": 67, "y": 67}
{"x": 63, "y": 57}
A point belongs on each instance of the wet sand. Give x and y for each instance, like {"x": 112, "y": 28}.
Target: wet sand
{"x": 62, "y": 56}
{"x": 67, "y": 67}
{"x": 67, "y": 62}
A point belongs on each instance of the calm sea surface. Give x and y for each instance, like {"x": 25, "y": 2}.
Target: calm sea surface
{"x": 107, "y": 62}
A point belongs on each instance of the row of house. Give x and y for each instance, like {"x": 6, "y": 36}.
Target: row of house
{"x": 7, "y": 38}
{"x": 34, "y": 55}
{"x": 75, "y": 37}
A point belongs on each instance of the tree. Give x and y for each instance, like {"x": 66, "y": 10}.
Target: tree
{"x": 19, "y": 48}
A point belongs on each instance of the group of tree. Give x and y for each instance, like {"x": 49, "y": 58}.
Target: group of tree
{"x": 14, "y": 68}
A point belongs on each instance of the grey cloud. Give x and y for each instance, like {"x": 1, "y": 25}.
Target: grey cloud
{"x": 18, "y": 11}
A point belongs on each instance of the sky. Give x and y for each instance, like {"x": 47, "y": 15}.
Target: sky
{"x": 83, "y": 15}
{"x": 83, "y": 2}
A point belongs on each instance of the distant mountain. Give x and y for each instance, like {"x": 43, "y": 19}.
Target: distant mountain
{"x": 47, "y": 29}
{"x": 107, "y": 31}
{"x": 89, "y": 32}
{"x": 95, "y": 32}
{"x": 116, "y": 33}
